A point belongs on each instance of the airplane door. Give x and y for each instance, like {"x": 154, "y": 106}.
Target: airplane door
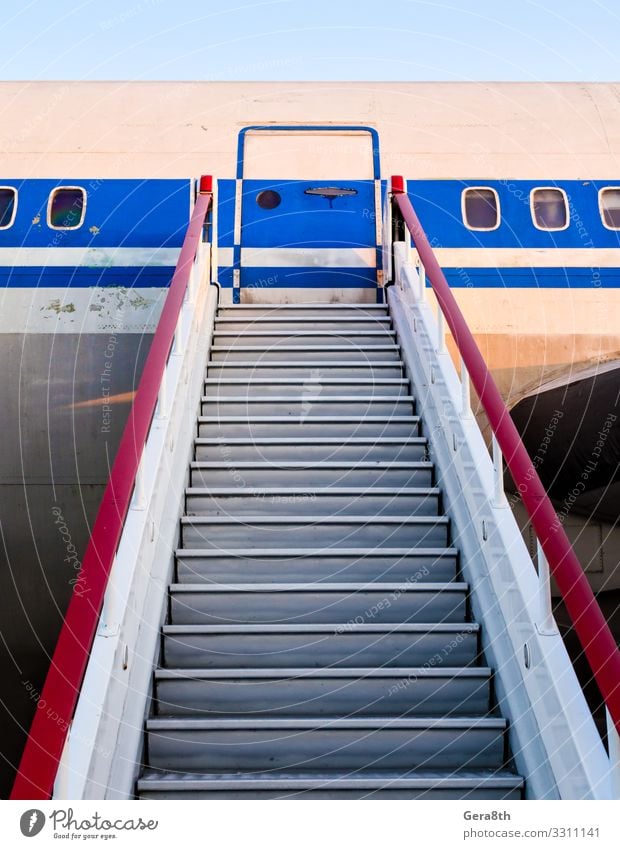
{"x": 310, "y": 229}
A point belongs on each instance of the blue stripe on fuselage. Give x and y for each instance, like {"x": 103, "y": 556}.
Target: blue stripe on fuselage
{"x": 149, "y": 277}
{"x": 533, "y": 278}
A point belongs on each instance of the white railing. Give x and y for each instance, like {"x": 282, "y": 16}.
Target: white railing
{"x": 102, "y": 749}
{"x": 554, "y": 739}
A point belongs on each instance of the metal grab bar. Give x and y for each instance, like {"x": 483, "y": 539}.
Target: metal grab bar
{"x": 42, "y": 752}
{"x": 589, "y": 623}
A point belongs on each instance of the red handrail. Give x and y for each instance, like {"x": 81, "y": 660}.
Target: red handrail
{"x": 55, "y": 709}
{"x": 589, "y": 623}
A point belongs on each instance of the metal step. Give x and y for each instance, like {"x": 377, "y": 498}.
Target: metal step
{"x": 313, "y": 474}
{"x": 265, "y": 693}
{"x": 369, "y": 370}
{"x": 245, "y": 604}
{"x": 320, "y": 322}
{"x": 316, "y": 385}
{"x": 326, "y": 501}
{"x": 204, "y": 744}
{"x": 298, "y": 531}
{"x": 357, "y": 565}
{"x": 316, "y": 449}
{"x": 268, "y": 353}
{"x": 356, "y": 340}
{"x": 471, "y": 785}
{"x": 310, "y": 402}
{"x": 292, "y": 427}
{"x": 340, "y": 310}
{"x": 320, "y": 646}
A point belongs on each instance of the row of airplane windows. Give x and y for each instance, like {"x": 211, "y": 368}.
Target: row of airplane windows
{"x": 66, "y": 207}
{"x": 549, "y": 208}
{"x": 480, "y": 208}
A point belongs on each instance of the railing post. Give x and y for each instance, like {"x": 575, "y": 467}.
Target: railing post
{"x": 547, "y": 626}
{"x": 499, "y": 497}
{"x": 61, "y": 784}
{"x": 613, "y": 745}
{"x": 178, "y": 342}
{"x": 138, "y": 500}
{"x": 162, "y": 397}
{"x": 465, "y": 392}
{"x": 441, "y": 331}
{"x": 109, "y": 621}
{"x": 421, "y": 281}
{"x": 192, "y": 288}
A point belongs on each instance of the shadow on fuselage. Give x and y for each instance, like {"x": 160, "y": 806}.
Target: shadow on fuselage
{"x": 55, "y": 456}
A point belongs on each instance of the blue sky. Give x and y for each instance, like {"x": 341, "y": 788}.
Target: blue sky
{"x": 311, "y": 40}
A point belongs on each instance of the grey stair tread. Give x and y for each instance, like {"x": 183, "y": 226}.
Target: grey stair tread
{"x": 226, "y": 565}
{"x": 293, "y": 420}
{"x": 256, "y": 321}
{"x": 335, "y": 672}
{"x": 312, "y": 488}
{"x": 318, "y": 552}
{"x": 307, "y": 449}
{"x": 321, "y": 628}
{"x": 360, "y": 339}
{"x": 191, "y": 723}
{"x": 236, "y": 334}
{"x": 451, "y": 586}
{"x": 283, "y": 530}
{"x": 323, "y": 464}
{"x": 312, "y": 520}
{"x": 305, "y": 398}
{"x": 219, "y": 317}
{"x": 323, "y": 490}
{"x": 318, "y": 305}
{"x": 309, "y": 440}
{"x": 308, "y": 363}
{"x": 284, "y": 348}
{"x": 399, "y": 690}
{"x": 363, "y": 779}
{"x": 301, "y": 381}
{"x": 368, "y": 645}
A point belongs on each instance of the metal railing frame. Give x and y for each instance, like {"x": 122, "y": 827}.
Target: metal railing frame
{"x": 55, "y": 709}
{"x": 556, "y": 557}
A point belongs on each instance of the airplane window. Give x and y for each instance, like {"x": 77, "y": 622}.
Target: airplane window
{"x": 480, "y": 207}
{"x": 8, "y": 206}
{"x": 549, "y": 208}
{"x": 66, "y": 208}
{"x": 268, "y": 199}
{"x": 609, "y": 204}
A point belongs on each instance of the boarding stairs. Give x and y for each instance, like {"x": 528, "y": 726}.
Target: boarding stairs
{"x": 304, "y": 579}
{"x": 319, "y": 641}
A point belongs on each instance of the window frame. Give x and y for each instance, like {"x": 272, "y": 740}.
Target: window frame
{"x": 497, "y": 204}
{"x": 600, "y": 207}
{"x": 566, "y": 207}
{"x": 15, "y": 202}
{"x": 50, "y": 202}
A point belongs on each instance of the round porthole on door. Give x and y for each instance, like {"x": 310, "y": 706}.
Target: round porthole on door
{"x": 268, "y": 199}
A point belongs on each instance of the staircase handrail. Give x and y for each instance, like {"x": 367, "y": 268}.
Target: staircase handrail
{"x": 588, "y": 621}
{"x": 56, "y": 706}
